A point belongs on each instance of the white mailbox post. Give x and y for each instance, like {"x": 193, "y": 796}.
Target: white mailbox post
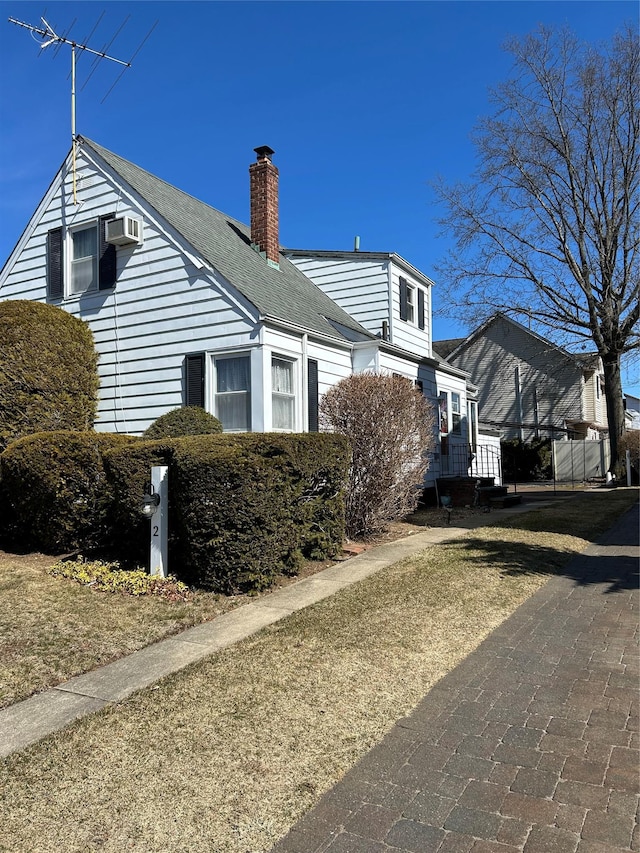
{"x": 155, "y": 506}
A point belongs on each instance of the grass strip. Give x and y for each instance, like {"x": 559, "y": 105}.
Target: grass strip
{"x": 224, "y": 756}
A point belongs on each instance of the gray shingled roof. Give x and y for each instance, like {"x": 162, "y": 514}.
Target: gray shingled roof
{"x": 285, "y": 293}
{"x": 445, "y": 348}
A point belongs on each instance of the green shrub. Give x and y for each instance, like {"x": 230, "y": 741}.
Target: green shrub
{"x": 109, "y": 577}
{"x": 128, "y": 469}
{"x": 187, "y": 420}
{"x": 48, "y": 371}
{"x": 317, "y": 466}
{"x": 55, "y": 496}
{"x": 526, "y": 461}
{"x": 242, "y": 508}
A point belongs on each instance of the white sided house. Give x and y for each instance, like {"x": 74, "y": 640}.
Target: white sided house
{"x": 191, "y": 307}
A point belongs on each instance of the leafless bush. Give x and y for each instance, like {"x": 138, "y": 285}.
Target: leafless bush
{"x": 630, "y": 441}
{"x": 391, "y": 428}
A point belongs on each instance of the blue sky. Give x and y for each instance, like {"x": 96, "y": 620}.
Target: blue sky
{"x": 364, "y": 104}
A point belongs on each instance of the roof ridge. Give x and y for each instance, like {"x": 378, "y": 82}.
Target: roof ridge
{"x": 283, "y": 293}
{"x": 99, "y": 149}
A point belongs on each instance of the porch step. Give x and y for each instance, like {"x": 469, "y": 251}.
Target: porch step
{"x": 505, "y": 500}
{"x": 484, "y": 482}
{"x": 487, "y": 494}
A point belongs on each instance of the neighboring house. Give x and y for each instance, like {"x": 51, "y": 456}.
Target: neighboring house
{"x": 189, "y": 306}
{"x": 631, "y": 412}
{"x": 527, "y": 386}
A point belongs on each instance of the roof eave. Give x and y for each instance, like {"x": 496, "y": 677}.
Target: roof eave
{"x": 353, "y": 255}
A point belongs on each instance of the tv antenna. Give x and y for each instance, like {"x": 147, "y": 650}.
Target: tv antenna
{"x": 49, "y": 37}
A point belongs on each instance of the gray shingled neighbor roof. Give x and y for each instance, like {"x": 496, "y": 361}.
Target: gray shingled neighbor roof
{"x": 285, "y": 293}
{"x": 445, "y": 348}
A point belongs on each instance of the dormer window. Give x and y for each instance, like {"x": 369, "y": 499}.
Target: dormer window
{"x": 411, "y": 297}
{"x": 412, "y": 304}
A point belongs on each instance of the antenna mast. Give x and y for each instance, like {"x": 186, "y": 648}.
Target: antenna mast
{"x": 49, "y": 37}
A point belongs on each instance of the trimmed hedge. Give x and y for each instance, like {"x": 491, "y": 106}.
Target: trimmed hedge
{"x": 242, "y": 508}
{"x": 186, "y": 420}
{"x": 128, "y": 470}
{"x": 48, "y": 371}
{"x": 54, "y": 495}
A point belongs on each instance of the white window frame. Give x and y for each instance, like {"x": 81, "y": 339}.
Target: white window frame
{"x": 456, "y": 413}
{"x": 73, "y": 262}
{"x": 412, "y": 307}
{"x": 472, "y": 416}
{"x": 290, "y": 397}
{"x": 216, "y": 395}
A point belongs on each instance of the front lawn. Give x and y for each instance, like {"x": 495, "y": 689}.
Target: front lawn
{"x": 52, "y": 628}
{"x": 224, "y": 756}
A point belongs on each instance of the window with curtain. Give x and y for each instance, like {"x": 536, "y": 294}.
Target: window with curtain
{"x": 283, "y": 394}
{"x": 233, "y": 393}
{"x": 84, "y": 259}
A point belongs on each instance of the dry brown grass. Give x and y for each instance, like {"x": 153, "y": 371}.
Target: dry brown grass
{"x": 224, "y": 756}
{"x": 53, "y": 628}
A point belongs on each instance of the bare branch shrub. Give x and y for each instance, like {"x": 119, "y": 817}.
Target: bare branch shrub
{"x": 391, "y": 428}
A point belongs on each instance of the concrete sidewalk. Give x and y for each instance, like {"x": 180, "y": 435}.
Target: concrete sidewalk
{"x": 530, "y": 745}
{"x": 34, "y": 718}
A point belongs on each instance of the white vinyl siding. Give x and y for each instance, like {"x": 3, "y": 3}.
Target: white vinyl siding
{"x": 161, "y": 309}
{"x": 358, "y": 285}
{"x": 368, "y": 289}
{"x": 406, "y": 333}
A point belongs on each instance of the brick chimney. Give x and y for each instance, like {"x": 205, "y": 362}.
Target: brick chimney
{"x": 263, "y": 178}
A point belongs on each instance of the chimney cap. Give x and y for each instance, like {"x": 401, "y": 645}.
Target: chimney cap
{"x": 263, "y": 151}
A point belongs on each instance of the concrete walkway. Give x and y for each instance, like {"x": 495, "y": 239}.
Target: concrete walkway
{"x": 34, "y": 718}
{"x": 531, "y": 744}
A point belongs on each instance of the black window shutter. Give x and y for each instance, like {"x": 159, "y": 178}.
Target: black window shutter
{"x": 106, "y": 256}
{"x": 420, "y": 308}
{"x": 194, "y": 380}
{"x": 55, "y": 274}
{"x": 403, "y": 299}
{"x": 312, "y": 385}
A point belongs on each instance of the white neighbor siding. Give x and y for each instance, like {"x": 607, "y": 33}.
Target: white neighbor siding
{"x": 161, "y": 308}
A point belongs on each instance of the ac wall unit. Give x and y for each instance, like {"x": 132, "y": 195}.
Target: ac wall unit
{"x": 124, "y": 231}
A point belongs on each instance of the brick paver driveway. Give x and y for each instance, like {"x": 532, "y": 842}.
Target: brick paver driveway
{"x": 531, "y": 744}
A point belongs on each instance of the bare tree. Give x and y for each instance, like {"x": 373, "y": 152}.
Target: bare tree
{"x": 390, "y": 426}
{"x": 547, "y": 230}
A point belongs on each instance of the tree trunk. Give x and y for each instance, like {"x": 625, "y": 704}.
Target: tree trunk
{"x": 615, "y": 408}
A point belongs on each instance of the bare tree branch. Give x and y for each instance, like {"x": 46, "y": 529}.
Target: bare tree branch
{"x": 548, "y": 227}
